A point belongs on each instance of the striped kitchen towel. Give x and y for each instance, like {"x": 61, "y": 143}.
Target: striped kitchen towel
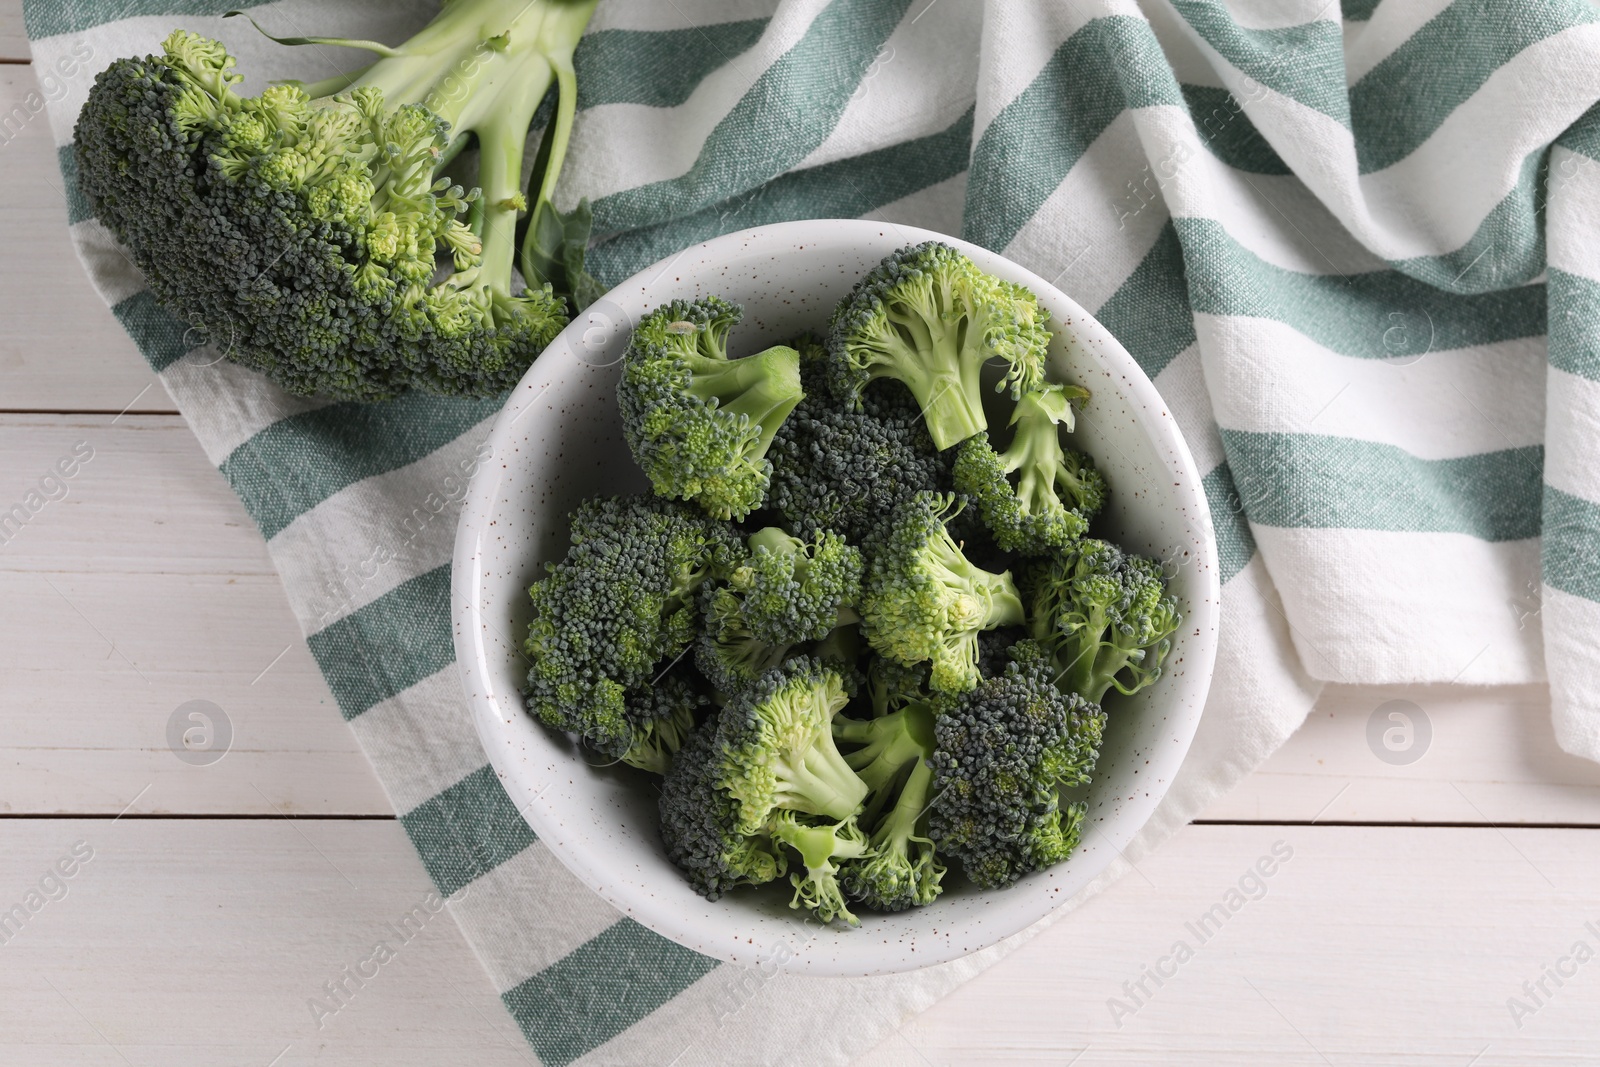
{"x": 1348, "y": 244}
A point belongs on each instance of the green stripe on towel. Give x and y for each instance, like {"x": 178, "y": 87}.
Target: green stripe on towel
{"x": 790, "y": 110}
{"x": 1306, "y": 480}
{"x": 296, "y": 463}
{"x": 1350, "y": 314}
{"x": 1022, "y": 156}
{"x": 601, "y": 989}
{"x": 1571, "y": 547}
{"x": 657, "y": 68}
{"x": 384, "y": 648}
{"x": 467, "y": 830}
{"x": 846, "y": 189}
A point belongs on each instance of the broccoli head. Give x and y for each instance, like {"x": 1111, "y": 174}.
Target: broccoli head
{"x": 301, "y": 230}
{"x": 660, "y": 715}
{"x": 1057, "y": 492}
{"x": 783, "y": 592}
{"x": 1105, "y": 616}
{"x": 775, "y": 744}
{"x": 928, "y": 317}
{"x": 618, "y": 607}
{"x": 698, "y": 422}
{"x": 924, "y": 601}
{"x": 1003, "y": 753}
{"x": 699, "y": 824}
{"x": 839, "y": 469}
{"x": 823, "y": 846}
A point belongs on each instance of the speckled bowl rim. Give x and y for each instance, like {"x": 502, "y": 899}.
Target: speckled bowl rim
{"x": 745, "y": 936}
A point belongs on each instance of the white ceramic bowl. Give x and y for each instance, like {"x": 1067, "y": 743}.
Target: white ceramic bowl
{"x": 559, "y": 439}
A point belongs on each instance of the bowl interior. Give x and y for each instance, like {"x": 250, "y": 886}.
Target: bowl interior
{"x": 559, "y": 440}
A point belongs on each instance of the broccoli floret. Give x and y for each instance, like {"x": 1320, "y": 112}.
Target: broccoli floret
{"x": 300, "y": 229}
{"x": 1057, "y": 492}
{"x": 1003, "y": 753}
{"x": 928, "y": 317}
{"x": 893, "y": 759}
{"x": 1105, "y": 616}
{"x": 699, "y": 824}
{"x": 784, "y": 592}
{"x": 698, "y": 422}
{"x": 823, "y": 846}
{"x": 838, "y": 469}
{"x": 661, "y": 714}
{"x": 775, "y": 743}
{"x": 924, "y": 601}
{"x": 903, "y": 869}
{"x": 617, "y": 608}
{"x": 994, "y": 649}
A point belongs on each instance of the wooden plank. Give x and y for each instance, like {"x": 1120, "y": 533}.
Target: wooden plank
{"x": 13, "y": 39}
{"x": 1491, "y": 757}
{"x": 61, "y": 348}
{"x": 144, "y": 588}
{"x": 1369, "y": 945}
{"x": 201, "y": 942}
{"x": 196, "y": 942}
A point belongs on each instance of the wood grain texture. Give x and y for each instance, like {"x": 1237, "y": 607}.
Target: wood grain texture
{"x": 145, "y": 587}
{"x": 13, "y": 41}
{"x": 195, "y": 942}
{"x": 1369, "y": 946}
{"x": 200, "y": 943}
{"x": 61, "y": 348}
{"x": 1492, "y": 757}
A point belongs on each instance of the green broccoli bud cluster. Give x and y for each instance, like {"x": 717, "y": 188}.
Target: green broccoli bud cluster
{"x": 837, "y": 468}
{"x": 782, "y": 593}
{"x": 304, "y": 230}
{"x": 1105, "y": 617}
{"x": 928, "y": 317}
{"x": 698, "y": 422}
{"x": 1057, "y": 491}
{"x": 614, "y": 612}
{"x": 874, "y": 705}
{"x": 1003, "y": 754}
{"x": 924, "y": 601}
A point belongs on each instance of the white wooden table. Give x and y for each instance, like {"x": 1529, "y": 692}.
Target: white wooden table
{"x": 1417, "y": 901}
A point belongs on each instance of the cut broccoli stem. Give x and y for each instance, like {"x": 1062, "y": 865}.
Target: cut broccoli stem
{"x": 944, "y": 383}
{"x": 890, "y": 743}
{"x": 900, "y": 825}
{"x": 764, "y": 387}
{"x": 991, "y": 600}
{"x": 819, "y": 782}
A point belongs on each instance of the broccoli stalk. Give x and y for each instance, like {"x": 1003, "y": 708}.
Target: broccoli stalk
{"x": 776, "y": 744}
{"x": 926, "y": 316}
{"x": 924, "y": 601}
{"x": 822, "y": 848}
{"x": 889, "y": 744}
{"x": 699, "y": 423}
{"x": 1057, "y": 491}
{"x": 894, "y": 762}
{"x": 299, "y": 229}
{"x": 1106, "y": 617}
{"x": 902, "y": 870}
